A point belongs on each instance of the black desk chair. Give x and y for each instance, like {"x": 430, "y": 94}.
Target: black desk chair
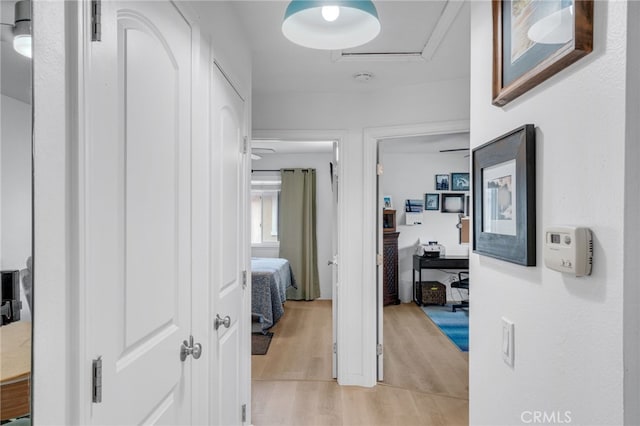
{"x": 462, "y": 283}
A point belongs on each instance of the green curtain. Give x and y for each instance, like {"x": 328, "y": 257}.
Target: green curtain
{"x": 297, "y": 231}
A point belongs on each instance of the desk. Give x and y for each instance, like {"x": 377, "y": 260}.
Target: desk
{"x": 444, "y": 262}
{"x": 15, "y": 369}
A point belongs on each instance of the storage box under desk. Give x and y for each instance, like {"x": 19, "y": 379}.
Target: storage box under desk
{"x": 433, "y": 293}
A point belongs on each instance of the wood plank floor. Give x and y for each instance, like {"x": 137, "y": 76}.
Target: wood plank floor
{"x": 426, "y": 376}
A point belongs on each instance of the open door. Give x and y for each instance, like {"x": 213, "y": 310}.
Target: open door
{"x": 334, "y": 261}
{"x": 379, "y": 267}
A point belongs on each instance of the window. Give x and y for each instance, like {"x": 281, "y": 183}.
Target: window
{"x": 265, "y": 196}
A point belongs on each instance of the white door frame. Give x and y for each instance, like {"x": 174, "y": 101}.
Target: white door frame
{"x": 339, "y": 136}
{"x": 371, "y": 234}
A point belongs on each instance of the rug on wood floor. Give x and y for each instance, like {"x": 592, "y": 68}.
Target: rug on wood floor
{"x": 455, "y": 325}
{"x": 260, "y": 343}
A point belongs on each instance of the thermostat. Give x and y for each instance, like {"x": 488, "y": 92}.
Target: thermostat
{"x": 568, "y": 249}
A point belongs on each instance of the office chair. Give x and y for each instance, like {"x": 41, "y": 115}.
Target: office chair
{"x": 462, "y": 283}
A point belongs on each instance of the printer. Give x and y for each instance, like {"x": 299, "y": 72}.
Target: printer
{"x": 432, "y": 250}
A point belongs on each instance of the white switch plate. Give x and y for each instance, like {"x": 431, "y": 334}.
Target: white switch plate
{"x": 507, "y": 341}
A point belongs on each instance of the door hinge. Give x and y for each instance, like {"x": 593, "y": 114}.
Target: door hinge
{"x": 96, "y": 380}
{"x": 244, "y": 280}
{"x": 379, "y": 169}
{"x": 379, "y": 349}
{"x": 244, "y": 413}
{"x": 379, "y": 259}
{"x": 245, "y": 145}
{"x": 96, "y": 20}
{"x": 335, "y": 348}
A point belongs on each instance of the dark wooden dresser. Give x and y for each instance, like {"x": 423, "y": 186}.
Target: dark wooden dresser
{"x": 390, "y": 268}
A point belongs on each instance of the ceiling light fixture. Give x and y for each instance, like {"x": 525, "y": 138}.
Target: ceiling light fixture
{"x": 255, "y": 156}
{"x": 363, "y": 77}
{"x": 20, "y": 32}
{"x": 331, "y": 24}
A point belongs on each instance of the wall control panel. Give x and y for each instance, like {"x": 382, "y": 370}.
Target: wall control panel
{"x": 568, "y": 249}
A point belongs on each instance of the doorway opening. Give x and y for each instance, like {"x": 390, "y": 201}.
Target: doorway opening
{"x": 425, "y": 251}
{"x": 16, "y": 212}
{"x": 301, "y": 334}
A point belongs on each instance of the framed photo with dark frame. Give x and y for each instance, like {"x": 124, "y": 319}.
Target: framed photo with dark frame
{"x": 442, "y": 182}
{"x": 452, "y": 203}
{"x": 533, "y": 40}
{"x": 504, "y": 197}
{"x": 459, "y": 181}
{"x": 432, "y": 201}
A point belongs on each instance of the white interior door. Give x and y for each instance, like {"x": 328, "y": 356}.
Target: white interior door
{"x": 380, "y": 267}
{"x": 334, "y": 270}
{"x": 137, "y": 213}
{"x": 231, "y": 327}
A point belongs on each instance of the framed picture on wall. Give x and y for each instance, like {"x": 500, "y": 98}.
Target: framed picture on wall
{"x": 442, "y": 182}
{"x": 432, "y": 201}
{"x": 388, "y": 203}
{"x": 459, "y": 181}
{"x": 504, "y": 197}
{"x": 533, "y": 40}
{"x": 452, "y": 203}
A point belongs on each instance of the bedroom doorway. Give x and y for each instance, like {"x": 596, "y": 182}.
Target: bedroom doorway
{"x": 270, "y": 154}
{"x": 407, "y": 169}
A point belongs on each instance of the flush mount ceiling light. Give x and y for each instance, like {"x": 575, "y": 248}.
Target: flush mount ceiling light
{"x": 254, "y": 151}
{"x": 21, "y": 31}
{"x": 363, "y": 77}
{"x": 331, "y": 24}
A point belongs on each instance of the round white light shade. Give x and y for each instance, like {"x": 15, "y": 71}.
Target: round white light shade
{"x": 22, "y": 29}
{"x": 22, "y": 45}
{"x": 356, "y": 24}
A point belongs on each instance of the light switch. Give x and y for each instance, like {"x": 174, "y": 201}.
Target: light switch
{"x": 507, "y": 341}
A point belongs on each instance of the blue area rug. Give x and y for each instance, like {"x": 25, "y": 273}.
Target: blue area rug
{"x": 455, "y": 325}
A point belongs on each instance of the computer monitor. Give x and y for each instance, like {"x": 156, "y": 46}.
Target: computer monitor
{"x": 10, "y": 296}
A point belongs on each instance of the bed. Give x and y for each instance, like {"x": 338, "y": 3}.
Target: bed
{"x": 270, "y": 278}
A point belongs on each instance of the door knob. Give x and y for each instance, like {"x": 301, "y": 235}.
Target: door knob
{"x": 189, "y": 348}
{"x": 226, "y": 321}
{"x": 331, "y": 262}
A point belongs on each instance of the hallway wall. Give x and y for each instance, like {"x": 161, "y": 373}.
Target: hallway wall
{"x": 568, "y": 331}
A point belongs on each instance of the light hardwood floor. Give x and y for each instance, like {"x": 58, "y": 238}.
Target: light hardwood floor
{"x": 426, "y": 376}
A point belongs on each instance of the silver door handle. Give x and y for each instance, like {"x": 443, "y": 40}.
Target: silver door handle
{"x": 189, "y": 348}
{"x": 331, "y": 262}
{"x": 226, "y": 321}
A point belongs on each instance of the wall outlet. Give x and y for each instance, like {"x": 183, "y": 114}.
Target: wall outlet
{"x": 507, "y": 341}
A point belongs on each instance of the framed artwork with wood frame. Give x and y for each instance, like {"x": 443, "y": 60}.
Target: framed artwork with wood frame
{"x": 535, "y": 39}
{"x": 504, "y": 197}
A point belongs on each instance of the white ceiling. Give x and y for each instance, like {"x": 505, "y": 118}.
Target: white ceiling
{"x": 421, "y": 26}
{"x": 440, "y": 28}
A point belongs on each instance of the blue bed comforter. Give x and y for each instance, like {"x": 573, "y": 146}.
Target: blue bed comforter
{"x": 270, "y": 278}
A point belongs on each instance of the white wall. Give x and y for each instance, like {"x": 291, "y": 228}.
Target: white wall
{"x": 353, "y": 113}
{"x": 568, "y": 331}
{"x": 15, "y": 179}
{"x": 410, "y": 176}
{"x": 324, "y": 226}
